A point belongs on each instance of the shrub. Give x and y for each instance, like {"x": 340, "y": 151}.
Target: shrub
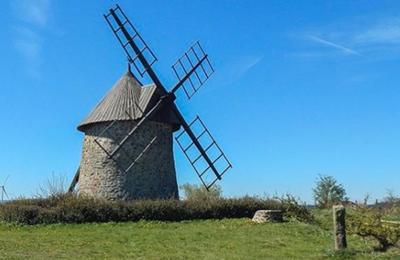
{"x": 71, "y": 208}
{"x": 368, "y": 222}
{"x": 199, "y": 192}
{"x": 292, "y": 208}
{"x": 55, "y": 186}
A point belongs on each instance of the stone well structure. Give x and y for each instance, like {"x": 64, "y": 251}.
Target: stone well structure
{"x": 262, "y": 216}
{"x": 153, "y": 174}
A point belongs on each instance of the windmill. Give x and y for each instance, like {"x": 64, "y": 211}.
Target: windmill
{"x": 127, "y": 150}
{"x": 3, "y": 190}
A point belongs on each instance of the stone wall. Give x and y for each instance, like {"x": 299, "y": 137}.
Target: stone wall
{"x": 152, "y": 177}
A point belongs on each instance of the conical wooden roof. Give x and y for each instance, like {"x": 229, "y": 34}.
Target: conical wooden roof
{"x": 128, "y": 94}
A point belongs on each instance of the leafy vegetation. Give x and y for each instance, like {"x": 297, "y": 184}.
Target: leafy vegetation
{"x": 144, "y": 236}
{"x": 368, "y": 222}
{"x": 70, "y": 208}
{"x": 328, "y": 192}
{"x": 199, "y": 192}
{"x": 199, "y": 239}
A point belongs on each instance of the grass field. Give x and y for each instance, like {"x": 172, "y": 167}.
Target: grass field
{"x": 206, "y": 239}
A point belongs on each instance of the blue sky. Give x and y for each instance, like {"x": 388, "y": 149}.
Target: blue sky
{"x": 301, "y": 87}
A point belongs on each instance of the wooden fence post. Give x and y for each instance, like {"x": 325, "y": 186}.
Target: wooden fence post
{"x": 339, "y": 227}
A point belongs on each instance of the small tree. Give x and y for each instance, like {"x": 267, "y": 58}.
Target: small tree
{"x": 391, "y": 197}
{"x": 199, "y": 192}
{"x": 328, "y": 192}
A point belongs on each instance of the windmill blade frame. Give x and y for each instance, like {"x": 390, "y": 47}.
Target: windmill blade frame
{"x": 218, "y": 155}
{"x": 5, "y": 192}
{"x": 74, "y": 181}
{"x": 130, "y": 41}
{"x": 5, "y": 181}
{"x": 194, "y": 62}
{"x": 3, "y": 189}
{"x": 121, "y": 23}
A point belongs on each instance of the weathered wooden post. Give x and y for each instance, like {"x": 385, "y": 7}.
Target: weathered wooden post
{"x": 339, "y": 227}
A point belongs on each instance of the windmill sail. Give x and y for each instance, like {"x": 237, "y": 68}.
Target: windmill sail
{"x": 3, "y": 189}
{"x": 212, "y": 160}
{"x": 193, "y": 69}
{"x": 193, "y": 66}
{"x": 137, "y": 50}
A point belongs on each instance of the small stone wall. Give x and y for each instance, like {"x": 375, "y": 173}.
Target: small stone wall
{"x": 152, "y": 177}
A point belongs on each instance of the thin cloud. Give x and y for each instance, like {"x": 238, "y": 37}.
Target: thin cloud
{"x": 29, "y": 45}
{"x": 33, "y": 12}
{"x": 375, "y": 39}
{"x": 333, "y": 45}
{"x": 32, "y": 16}
{"x": 382, "y": 33}
{"x": 236, "y": 69}
{"x": 311, "y": 54}
{"x": 247, "y": 64}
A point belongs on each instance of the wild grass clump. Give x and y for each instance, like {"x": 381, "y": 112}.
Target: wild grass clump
{"x": 70, "y": 208}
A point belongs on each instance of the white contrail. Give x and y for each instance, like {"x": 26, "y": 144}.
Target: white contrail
{"x": 334, "y": 45}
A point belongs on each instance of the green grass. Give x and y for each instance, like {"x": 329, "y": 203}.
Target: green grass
{"x": 204, "y": 239}
{"x": 393, "y": 218}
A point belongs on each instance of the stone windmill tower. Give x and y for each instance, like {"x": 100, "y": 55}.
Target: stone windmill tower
{"x": 153, "y": 176}
{"x": 128, "y": 145}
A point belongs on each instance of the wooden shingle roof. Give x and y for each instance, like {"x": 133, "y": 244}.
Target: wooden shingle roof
{"x": 128, "y": 94}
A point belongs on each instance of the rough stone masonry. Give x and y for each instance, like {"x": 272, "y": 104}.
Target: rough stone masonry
{"x": 153, "y": 174}
{"x": 152, "y": 177}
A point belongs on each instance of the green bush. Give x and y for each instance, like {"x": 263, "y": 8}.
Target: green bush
{"x": 368, "y": 222}
{"x": 199, "y": 192}
{"x": 294, "y": 209}
{"x": 78, "y": 209}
